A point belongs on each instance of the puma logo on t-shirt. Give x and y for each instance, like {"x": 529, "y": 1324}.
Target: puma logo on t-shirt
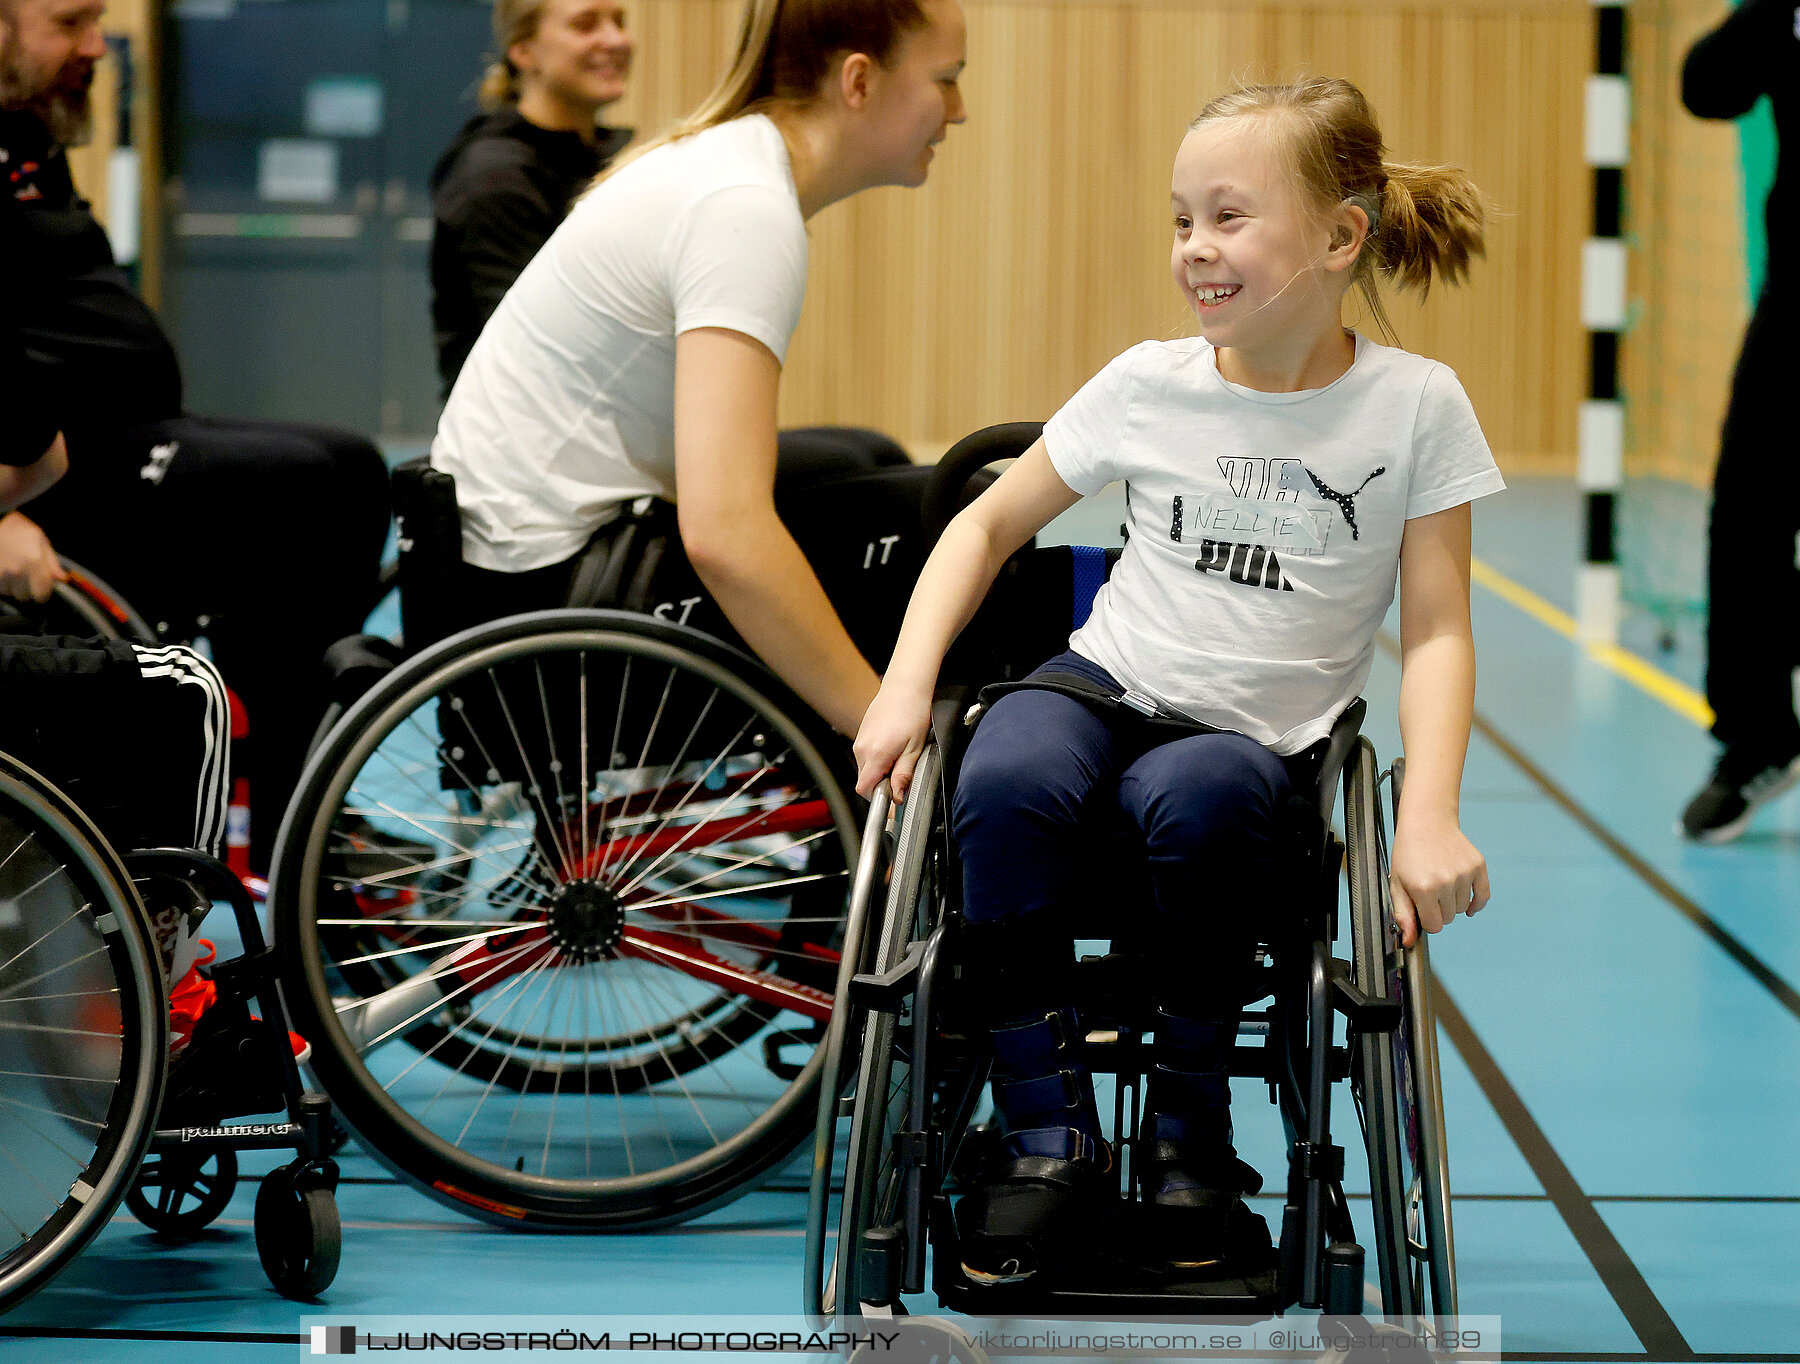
{"x": 1346, "y": 501}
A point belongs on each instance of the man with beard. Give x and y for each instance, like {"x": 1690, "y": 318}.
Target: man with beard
{"x": 265, "y": 535}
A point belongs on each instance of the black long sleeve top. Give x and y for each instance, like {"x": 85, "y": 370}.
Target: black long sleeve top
{"x": 79, "y": 350}
{"x": 1755, "y": 52}
{"x": 496, "y": 196}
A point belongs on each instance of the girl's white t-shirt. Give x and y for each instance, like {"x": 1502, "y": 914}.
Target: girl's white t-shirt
{"x": 565, "y": 409}
{"x": 1265, "y": 527}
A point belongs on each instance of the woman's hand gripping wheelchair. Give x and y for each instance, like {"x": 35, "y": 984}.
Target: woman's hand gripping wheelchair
{"x": 92, "y": 1110}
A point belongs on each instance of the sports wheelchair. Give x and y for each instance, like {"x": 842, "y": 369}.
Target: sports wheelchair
{"x": 92, "y": 1110}
{"x": 911, "y": 1062}
{"x": 560, "y": 896}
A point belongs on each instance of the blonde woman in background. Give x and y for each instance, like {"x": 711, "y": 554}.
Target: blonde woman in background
{"x": 512, "y": 172}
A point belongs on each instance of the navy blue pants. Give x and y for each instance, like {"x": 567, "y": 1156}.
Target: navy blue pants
{"x": 1045, "y": 780}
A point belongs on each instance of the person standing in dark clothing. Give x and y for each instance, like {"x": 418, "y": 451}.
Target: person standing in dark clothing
{"x": 509, "y": 178}
{"x": 264, "y": 536}
{"x": 1753, "y": 586}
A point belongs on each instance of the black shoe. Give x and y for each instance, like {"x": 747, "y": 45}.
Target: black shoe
{"x": 1741, "y": 784}
{"x": 1198, "y": 1218}
{"x": 1033, "y": 1211}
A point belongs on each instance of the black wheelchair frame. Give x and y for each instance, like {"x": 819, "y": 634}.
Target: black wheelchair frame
{"x": 911, "y": 1073}
{"x": 93, "y": 1051}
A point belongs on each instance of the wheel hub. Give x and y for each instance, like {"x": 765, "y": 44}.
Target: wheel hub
{"x": 587, "y": 920}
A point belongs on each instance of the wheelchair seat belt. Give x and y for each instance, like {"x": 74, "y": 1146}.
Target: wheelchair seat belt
{"x": 1092, "y": 694}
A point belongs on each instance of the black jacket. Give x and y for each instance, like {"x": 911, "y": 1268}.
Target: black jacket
{"x": 1755, "y": 52}
{"x": 496, "y": 196}
{"x": 79, "y": 350}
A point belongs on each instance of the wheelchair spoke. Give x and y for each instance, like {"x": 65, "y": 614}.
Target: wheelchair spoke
{"x": 680, "y": 805}
{"x": 722, "y": 1076}
{"x": 755, "y": 824}
{"x": 454, "y": 1031}
{"x": 58, "y": 969}
{"x": 556, "y": 764}
{"x": 770, "y": 989}
{"x": 52, "y": 1113}
{"x": 654, "y": 837}
{"x": 50, "y": 1196}
{"x": 456, "y": 859}
{"x": 78, "y": 1161}
{"x": 586, "y": 779}
{"x": 749, "y": 860}
{"x": 49, "y": 932}
{"x": 676, "y": 900}
{"x": 493, "y": 932}
{"x": 532, "y": 785}
{"x": 655, "y": 840}
{"x": 506, "y": 1141}
{"x": 499, "y": 966}
{"x": 54, "y": 1075}
{"x": 644, "y": 752}
{"x": 681, "y": 1084}
{"x": 613, "y": 754}
{"x": 562, "y": 983}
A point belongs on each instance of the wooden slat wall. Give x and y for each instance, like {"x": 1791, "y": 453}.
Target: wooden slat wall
{"x": 1688, "y": 267}
{"x": 1039, "y": 249}
{"x": 139, "y": 21}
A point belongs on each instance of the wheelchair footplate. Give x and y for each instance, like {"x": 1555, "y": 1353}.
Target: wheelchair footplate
{"x": 1108, "y": 1282}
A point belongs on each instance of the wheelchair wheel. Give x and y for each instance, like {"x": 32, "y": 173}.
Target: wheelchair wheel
{"x": 83, "y": 605}
{"x": 561, "y": 899}
{"x": 884, "y": 1073}
{"x": 1395, "y": 1078}
{"x": 83, "y": 1031}
{"x": 180, "y": 1196}
{"x": 843, "y": 1045}
{"x": 299, "y": 1237}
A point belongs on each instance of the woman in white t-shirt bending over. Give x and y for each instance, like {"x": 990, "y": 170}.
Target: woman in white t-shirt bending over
{"x": 640, "y": 352}
{"x": 1284, "y": 473}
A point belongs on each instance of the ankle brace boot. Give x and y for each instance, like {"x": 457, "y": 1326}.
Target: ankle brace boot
{"x": 1186, "y": 1134}
{"x": 1043, "y": 1090}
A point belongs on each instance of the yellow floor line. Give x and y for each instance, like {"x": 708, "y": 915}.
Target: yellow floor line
{"x": 1677, "y": 696}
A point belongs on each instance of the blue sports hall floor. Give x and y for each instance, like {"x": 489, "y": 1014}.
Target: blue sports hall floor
{"x": 1621, "y": 1044}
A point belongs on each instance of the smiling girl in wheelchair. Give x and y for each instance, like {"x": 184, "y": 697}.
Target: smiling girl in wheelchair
{"x": 1284, "y": 474}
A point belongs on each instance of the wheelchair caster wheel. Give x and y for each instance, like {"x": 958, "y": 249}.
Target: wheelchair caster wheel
{"x": 176, "y": 1195}
{"x": 298, "y": 1236}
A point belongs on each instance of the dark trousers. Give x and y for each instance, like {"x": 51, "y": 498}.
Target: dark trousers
{"x": 1047, "y": 779}
{"x": 138, "y": 737}
{"x": 265, "y": 537}
{"x": 1753, "y": 588}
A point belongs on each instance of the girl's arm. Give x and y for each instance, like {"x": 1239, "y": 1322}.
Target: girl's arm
{"x": 1436, "y": 873}
{"x": 954, "y": 580}
{"x": 725, "y": 394}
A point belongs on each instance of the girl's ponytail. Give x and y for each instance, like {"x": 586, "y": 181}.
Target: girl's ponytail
{"x": 1432, "y": 223}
